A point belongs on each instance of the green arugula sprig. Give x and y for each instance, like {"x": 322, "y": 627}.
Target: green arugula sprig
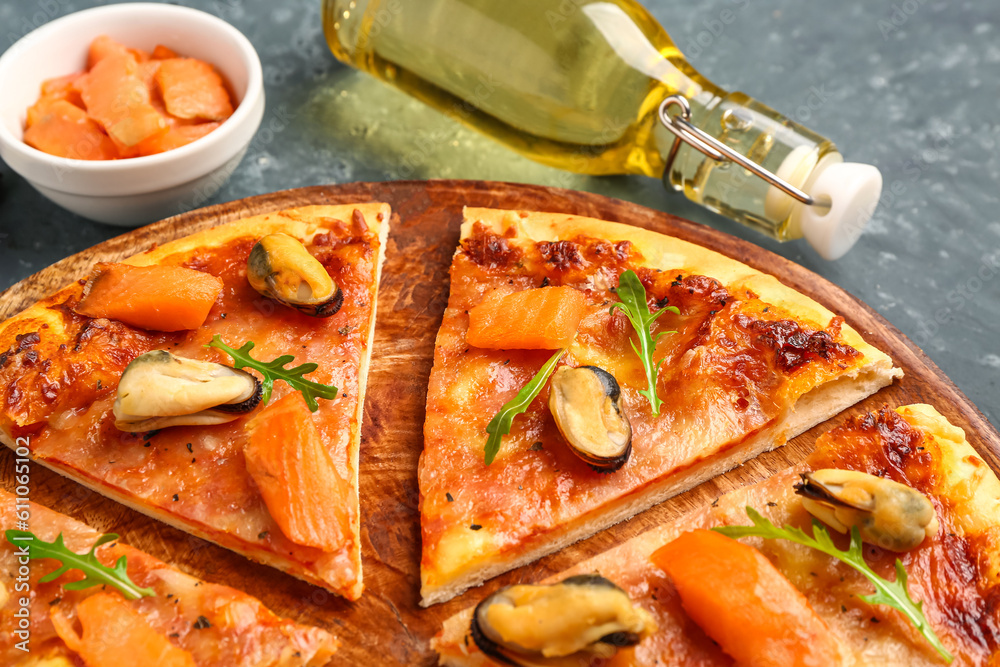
{"x": 275, "y": 370}
{"x": 633, "y": 304}
{"x": 97, "y": 574}
{"x": 500, "y": 425}
{"x": 891, "y": 593}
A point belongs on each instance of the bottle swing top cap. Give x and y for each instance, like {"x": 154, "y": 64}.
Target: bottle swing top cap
{"x": 845, "y": 196}
{"x": 853, "y": 190}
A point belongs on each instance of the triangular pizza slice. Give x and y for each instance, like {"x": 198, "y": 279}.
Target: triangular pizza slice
{"x": 111, "y": 382}
{"x": 679, "y": 363}
{"x": 161, "y": 616}
{"x": 906, "y": 479}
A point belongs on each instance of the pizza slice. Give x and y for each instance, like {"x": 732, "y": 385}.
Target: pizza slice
{"x": 125, "y": 382}
{"x": 803, "y": 603}
{"x": 178, "y": 620}
{"x": 731, "y": 363}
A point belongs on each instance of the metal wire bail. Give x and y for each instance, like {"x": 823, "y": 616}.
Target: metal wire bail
{"x": 680, "y": 125}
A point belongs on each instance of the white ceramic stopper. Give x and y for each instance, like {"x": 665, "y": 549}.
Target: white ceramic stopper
{"x": 853, "y": 190}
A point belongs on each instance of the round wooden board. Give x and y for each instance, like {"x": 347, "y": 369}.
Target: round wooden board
{"x": 387, "y": 627}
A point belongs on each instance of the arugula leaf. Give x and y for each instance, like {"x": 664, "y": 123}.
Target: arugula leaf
{"x": 275, "y": 370}
{"x": 891, "y": 593}
{"x": 97, "y": 574}
{"x": 633, "y": 304}
{"x": 500, "y": 425}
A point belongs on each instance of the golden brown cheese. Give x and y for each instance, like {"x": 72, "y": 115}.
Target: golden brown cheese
{"x": 953, "y": 573}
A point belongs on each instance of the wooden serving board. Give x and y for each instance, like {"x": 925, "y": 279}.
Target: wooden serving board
{"x": 387, "y": 627}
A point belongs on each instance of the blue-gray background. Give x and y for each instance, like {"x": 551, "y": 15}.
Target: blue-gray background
{"x": 910, "y": 86}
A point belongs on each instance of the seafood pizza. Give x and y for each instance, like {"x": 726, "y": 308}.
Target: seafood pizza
{"x": 882, "y": 548}
{"x": 587, "y": 370}
{"x": 215, "y": 383}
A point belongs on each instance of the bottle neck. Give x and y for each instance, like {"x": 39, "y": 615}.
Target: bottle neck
{"x": 775, "y": 142}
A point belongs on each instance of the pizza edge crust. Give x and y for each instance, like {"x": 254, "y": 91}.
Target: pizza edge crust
{"x": 661, "y": 250}
{"x": 980, "y": 499}
{"x": 215, "y": 237}
{"x": 363, "y": 368}
{"x": 814, "y": 407}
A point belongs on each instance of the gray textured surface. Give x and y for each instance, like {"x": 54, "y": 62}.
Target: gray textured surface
{"x": 911, "y": 87}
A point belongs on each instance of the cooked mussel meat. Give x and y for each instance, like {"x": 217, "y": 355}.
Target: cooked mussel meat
{"x": 584, "y": 401}
{"x": 567, "y": 623}
{"x": 888, "y": 514}
{"x": 279, "y": 267}
{"x": 159, "y": 389}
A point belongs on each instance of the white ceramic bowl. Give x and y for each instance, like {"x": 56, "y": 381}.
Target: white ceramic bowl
{"x": 137, "y": 190}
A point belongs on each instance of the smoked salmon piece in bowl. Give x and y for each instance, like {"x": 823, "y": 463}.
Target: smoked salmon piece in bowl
{"x": 142, "y": 189}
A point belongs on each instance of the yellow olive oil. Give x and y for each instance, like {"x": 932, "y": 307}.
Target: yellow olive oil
{"x": 577, "y": 84}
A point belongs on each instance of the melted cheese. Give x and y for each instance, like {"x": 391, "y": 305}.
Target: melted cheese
{"x": 461, "y": 546}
